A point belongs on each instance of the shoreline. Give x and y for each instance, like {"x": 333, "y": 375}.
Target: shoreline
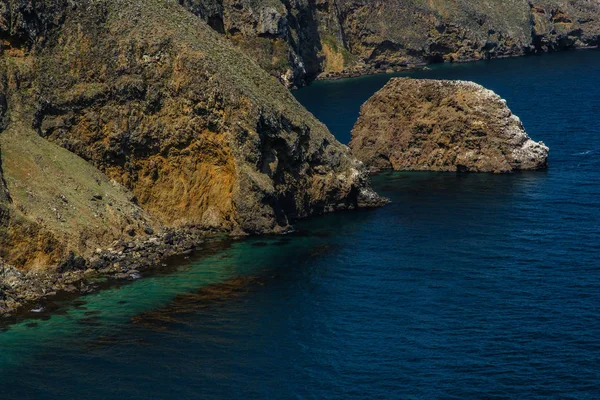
{"x": 23, "y": 292}
{"x": 61, "y": 302}
{"x": 357, "y": 73}
{"x": 123, "y": 260}
{"x": 30, "y": 294}
{"x": 372, "y": 71}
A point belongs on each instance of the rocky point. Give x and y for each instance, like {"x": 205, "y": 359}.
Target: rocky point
{"x": 142, "y": 122}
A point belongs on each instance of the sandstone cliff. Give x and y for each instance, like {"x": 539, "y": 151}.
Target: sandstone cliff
{"x": 123, "y": 118}
{"x": 296, "y": 40}
{"x": 418, "y": 124}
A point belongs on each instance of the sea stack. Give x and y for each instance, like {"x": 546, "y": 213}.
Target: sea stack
{"x": 443, "y": 125}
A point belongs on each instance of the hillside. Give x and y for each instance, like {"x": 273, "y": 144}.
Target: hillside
{"x": 298, "y": 40}
{"x": 122, "y": 120}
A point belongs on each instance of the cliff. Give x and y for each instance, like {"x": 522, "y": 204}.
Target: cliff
{"x": 419, "y": 124}
{"x": 298, "y": 40}
{"x": 120, "y": 121}
{"x": 294, "y": 40}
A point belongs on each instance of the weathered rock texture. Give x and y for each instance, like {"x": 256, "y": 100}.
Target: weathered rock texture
{"x": 417, "y": 124}
{"x": 559, "y": 25}
{"x": 296, "y": 40}
{"x": 120, "y": 118}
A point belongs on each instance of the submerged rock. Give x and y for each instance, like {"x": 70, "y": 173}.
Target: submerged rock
{"x": 441, "y": 125}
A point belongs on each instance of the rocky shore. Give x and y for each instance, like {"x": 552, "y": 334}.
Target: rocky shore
{"x": 145, "y": 121}
{"x": 437, "y": 125}
{"x": 21, "y": 290}
{"x": 365, "y": 70}
{"x": 298, "y": 41}
{"x": 165, "y": 117}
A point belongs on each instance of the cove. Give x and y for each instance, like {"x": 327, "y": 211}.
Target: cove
{"x": 465, "y": 286}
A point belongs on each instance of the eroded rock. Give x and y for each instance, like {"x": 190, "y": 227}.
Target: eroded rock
{"x": 146, "y": 122}
{"x": 440, "y": 125}
{"x": 148, "y": 119}
{"x": 297, "y": 40}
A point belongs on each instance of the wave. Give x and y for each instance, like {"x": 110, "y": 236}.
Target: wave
{"x": 585, "y": 153}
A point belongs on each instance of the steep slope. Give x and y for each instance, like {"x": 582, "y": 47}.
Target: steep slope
{"x": 130, "y": 129}
{"x": 178, "y": 128}
{"x": 53, "y": 202}
{"x": 296, "y": 40}
{"x": 436, "y": 125}
{"x": 196, "y": 130}
{"x": 401, "y": 31}
{"x": 440, "y": 30}
{"x": 559, "y": 24}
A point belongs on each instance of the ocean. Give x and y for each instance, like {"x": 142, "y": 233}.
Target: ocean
{"x": 466, "y": 286}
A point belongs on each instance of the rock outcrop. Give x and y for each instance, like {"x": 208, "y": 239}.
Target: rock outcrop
{"x": 121, "y": 120}
{"x": 293, "y": 40}
{"x": 559, "y": 25}
{"x": 431, "y": 125}
{"x": 296, "y": 40}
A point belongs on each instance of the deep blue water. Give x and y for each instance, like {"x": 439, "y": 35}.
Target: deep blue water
{"x": 467, "y": 286}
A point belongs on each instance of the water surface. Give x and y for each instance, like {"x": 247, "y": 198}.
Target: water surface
{"x": 466, "y": 286}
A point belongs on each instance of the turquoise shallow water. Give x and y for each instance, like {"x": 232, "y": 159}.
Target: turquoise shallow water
{"x": 465, "y": 286}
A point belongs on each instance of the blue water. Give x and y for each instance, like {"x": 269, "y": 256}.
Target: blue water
{"x": 467, "y": 286}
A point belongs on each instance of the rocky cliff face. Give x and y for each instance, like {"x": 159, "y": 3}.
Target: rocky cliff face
{"x": 401, "y": 31}
{"x": 418, "y": 124}
{"x": 4, "y": 196}
{"x": 559, "y": 25}
{"x": 298, "y": 39}
{"x": 124, "y": 118}
{"x": 294, "y": 40}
